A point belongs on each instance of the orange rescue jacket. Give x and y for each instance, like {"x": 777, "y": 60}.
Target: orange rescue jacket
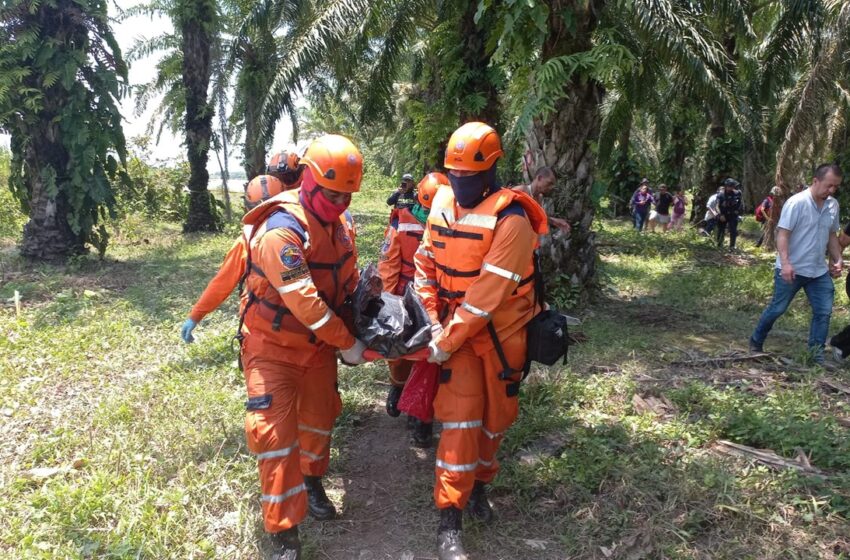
{"x": 301, "y": 273}
{"x": 476, "y": 265}
{"x": 225, "y": 280}
{"x": 402, "y": 239}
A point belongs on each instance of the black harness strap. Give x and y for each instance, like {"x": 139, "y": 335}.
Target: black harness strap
{"x": 458, "y": 273}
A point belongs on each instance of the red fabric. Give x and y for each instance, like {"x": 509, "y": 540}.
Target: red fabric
{"x": 417, "y": 399}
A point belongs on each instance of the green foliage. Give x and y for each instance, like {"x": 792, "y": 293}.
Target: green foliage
{"x": 61, "y": 75}
{"x": 154, "y": 191}
{"x": 11, "y": 217}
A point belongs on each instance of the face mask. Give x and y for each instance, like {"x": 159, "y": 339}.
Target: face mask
{"x": 420, "y": 213}
{"x": 470, "y": 190}
{"x": 314, "y": 200}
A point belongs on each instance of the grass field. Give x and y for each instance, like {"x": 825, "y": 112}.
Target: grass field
{"x": 120, "y": 441}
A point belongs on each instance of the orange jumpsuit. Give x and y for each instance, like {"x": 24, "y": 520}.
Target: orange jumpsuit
{"x": 225, "y": 280}
{"x": 475, "y": 267}
{"x": 397, "y": 269}
{"x": 301, "y": 273}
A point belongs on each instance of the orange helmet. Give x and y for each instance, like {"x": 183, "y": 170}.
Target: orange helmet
{"x": 474, "y": 146}
{"x": 260, "y": 188}
{"x": 427, "y": 188}
{"x": 285, "y": 166}
{"x": 336, "y": 163}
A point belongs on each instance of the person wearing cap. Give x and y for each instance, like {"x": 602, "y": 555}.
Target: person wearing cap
{"x": 405, "y": 195}
{"x": 765, "y": 214}
{"x": 475, "y": 274}
{"x": 301, "y": 271}
{"x": 640, "y": 204}
{"x": 729, "y": 207}
{"x": 258, "y": 189}
{"x": 397, "y": 270}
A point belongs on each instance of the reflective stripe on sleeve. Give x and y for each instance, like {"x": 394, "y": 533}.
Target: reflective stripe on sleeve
{"x": 426, "y": 252}
{"x": 277, "y": 498}
{"x": 423, "y": 283}
{"x": 277, "y": 453}
{"x": 410, "y": 227}
{"x": 475, "y": 311}
{"x": 321, "y": 322}
{"x": 462, "y": 425}
{"x": 485, "y": 463}
{"x": 312, "y": 456}
{"x": 457, "y": 468}
{"x": 307, "y": 428}
{"x": 503, "y": 272}
{"x": 303, "y": 283}
{"x": 490, "y": 434}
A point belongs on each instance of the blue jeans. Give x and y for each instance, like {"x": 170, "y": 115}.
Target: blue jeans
{"x": 640, "y": 219}
{"x": 820, "y": 292}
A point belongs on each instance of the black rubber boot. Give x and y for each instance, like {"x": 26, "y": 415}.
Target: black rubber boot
{"x": 412, "y": 421}
{"x": 392, "y": 401}
{"x": 286, "y": 545}
{"x": 318, "y": 503}
{"x": 478, "y": 505}
{"x": 449, "y": 545}
{"x": 423, "y": 434}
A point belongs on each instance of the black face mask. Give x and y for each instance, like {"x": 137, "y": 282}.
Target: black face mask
{"x": 470, "y": 190}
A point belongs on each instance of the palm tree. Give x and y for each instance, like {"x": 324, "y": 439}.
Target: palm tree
{"x": 61, "y": 75}
{"x": 183, "y": 80}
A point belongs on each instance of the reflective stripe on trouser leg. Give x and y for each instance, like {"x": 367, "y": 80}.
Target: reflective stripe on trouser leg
{"x": 318, "y": 407}
{"x": 272, "y": 436}
{"x": 400, "y": 371}
{"x": 500, "y": 410}
{"x": 459, "y": 405}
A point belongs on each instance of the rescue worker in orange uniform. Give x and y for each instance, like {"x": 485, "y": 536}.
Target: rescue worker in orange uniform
{"x": 286, "y": 166}
{"x": 397, "y": 269}
{"x": 260, "y": 188}
{"x": 475, "y": 275}
{"x": 301, "y": 269}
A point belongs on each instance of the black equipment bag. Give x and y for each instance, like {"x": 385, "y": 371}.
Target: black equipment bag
{"x": 548, "y": 336}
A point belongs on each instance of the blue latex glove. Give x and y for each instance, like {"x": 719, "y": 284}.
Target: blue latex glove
{"x": 186, "y": 331}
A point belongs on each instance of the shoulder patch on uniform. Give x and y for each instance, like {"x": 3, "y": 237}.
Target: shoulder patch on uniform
{"x": 285, "y": 220}
{"x": 343, "y": 237}
{"x": 513, "y": 209}
{"x": 291, "y": 256}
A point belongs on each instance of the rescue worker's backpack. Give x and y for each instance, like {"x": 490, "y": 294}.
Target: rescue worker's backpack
{"x": 548, "y": 337}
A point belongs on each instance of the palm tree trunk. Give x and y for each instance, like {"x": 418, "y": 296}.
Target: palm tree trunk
{"x": 47, "y": 236}
{"x": 714, "y": 173}
{"x": 564, "y": 143}
{"x": 254, "y": 151}
{"x": 225, "y": 166}
{"x": 197, "y": 17}
{"x": 476, "y": 58}
{"x": 625, "y": 182}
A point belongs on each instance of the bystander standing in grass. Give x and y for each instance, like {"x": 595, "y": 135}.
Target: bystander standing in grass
{"x": 806, "y": 231}
{"x": 661, "y": 214}
{"x": 765, "y": 213}
{"x": 677, "y": 221}
{"x": 640, "y": 204}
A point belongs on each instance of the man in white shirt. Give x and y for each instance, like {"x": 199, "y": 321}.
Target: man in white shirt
{"x": 806, "y": 231}
{"x": 711, "y": 213}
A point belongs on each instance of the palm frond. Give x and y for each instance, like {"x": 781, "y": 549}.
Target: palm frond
{"x": 308, "y": 52}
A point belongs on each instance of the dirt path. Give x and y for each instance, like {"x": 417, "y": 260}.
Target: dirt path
{"x": 387, "y": 510}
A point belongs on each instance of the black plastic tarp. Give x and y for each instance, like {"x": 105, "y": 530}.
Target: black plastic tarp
{"x": 389, "y": 324}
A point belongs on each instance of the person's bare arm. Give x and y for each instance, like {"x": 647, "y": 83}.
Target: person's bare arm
{"x": 843, "y": 239}
{"x": 783, "y": 237}
{"x": 836, "y": 261}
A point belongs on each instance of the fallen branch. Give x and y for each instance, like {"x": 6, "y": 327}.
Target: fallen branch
{"x": 835, "y": 385}
{"x": 767, "y": 457}
{"x": 721, "y": 360}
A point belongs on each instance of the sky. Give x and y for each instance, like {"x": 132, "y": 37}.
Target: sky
{"x": 142, "y": 71}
